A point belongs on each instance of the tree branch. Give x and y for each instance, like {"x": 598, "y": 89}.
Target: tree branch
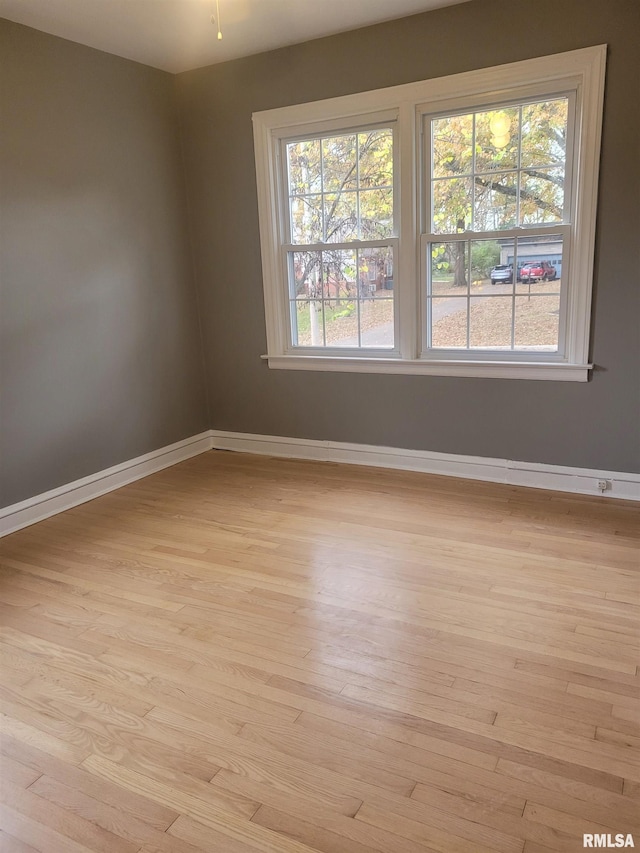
{"x": 512, "y": 191}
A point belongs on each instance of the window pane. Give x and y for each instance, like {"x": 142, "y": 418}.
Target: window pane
{"x": 495, "y": 201}
{"x": 341, "y": 217}
{"x": 539, "y": 264}
{"x": 452, "y": 145}
{"x": 341, "y": 323}
{"x": 490, "y": 320}
{"x": 503, "y": 262}
{"x": 375, "y": 287}
{"x": 339, "y": 171}
{"x": 449, "y": 268}
{"x": 304, "y": 167}
{"x": 497, "y": 139}
{"x": 536, "y": 322}
{"x": 375, "y": 273}
{"x": 339, "y": 273}
{"x": 375, "y": 166}
{"x": 305, "y": 275}
{"x": 449, "y": 323}
{"x": 306, "y": 322}
{"x": 306, "y": 219}
{"x": 485, "y": 256}
{"x": 541, "y": 196}
{"x": 376, "y": 322}
{"x": 451, "y": 205}
{"x": 544, "y": 133}
{"x": 376, "y": 214}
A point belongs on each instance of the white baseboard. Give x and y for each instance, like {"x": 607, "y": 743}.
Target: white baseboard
{"x": 582, "y": 481}
{"x": 43, "y": 506}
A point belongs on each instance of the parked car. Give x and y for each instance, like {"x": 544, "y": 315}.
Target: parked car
{"x": 502, "y": 273}
{"x": 537, "y": 271}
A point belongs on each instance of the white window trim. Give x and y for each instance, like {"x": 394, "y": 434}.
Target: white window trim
{"x": 581, "y": 71}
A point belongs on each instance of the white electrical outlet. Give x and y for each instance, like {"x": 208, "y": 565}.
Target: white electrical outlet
{"x": 604, "y": 485}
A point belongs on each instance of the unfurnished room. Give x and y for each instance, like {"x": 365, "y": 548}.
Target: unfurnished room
{"x": 319, "y": 426}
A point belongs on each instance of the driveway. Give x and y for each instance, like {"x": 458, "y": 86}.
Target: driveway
{"x": 382, "y": 336}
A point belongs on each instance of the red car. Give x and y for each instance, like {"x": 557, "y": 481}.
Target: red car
{"x": 538, "y": 271}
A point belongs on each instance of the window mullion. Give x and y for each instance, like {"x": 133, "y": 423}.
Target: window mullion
{"x": 473, "y": 185}
{"x": 407, "y": 290}
{"x": 283, "y": 328}
{"x": 323, "y": 225}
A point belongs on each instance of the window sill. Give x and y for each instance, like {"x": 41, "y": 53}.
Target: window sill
{"x": 482, "y": 369}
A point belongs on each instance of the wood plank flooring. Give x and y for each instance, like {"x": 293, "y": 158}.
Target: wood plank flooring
{"x": 246, "y": 654}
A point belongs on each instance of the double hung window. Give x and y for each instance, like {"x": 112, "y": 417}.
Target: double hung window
{"x": 498, "y": 214}
{"x": 441, "y": 227}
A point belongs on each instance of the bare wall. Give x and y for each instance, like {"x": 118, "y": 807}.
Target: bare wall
{"x": 100, "y": 353}
{"x": 592, "y": 424}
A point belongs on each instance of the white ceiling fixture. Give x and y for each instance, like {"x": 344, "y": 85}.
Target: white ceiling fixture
{"x": 176, "y": 35}
{"x": 215, "y": 19}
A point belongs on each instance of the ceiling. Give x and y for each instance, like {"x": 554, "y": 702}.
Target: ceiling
{"x": 177, "y": 35}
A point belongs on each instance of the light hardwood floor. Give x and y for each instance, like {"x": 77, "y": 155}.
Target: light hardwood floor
{"x": 252, "y": 654}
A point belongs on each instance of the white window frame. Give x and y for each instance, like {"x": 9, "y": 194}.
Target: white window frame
{"x": 579, "y": 73}
{"x": 387, "y": 120}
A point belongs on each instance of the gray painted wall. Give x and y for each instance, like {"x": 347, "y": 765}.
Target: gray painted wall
{"x": 100, "y": 358}
{"x": 592, "y": 424}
